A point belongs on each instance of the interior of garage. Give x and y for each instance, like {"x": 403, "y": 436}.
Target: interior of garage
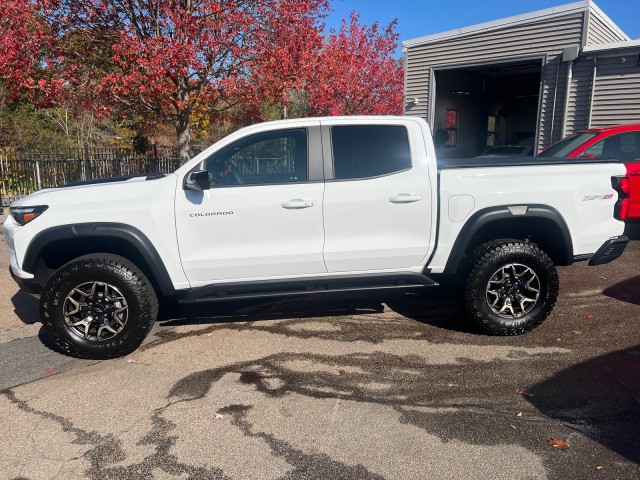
{"x": 479, "y": 107}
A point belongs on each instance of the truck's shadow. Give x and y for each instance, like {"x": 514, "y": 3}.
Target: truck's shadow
{"x": 600, "y": 398}
{"x": 625, "y": 291}
{"x": 25, "y": 307}
{"x": 432, "y": 306}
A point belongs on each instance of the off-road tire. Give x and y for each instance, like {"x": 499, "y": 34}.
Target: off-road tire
{"x": 108, "y": 273}
{"x": 489, "y": 288}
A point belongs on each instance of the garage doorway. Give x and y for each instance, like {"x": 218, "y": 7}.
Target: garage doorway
{"x": 483, "y": 106}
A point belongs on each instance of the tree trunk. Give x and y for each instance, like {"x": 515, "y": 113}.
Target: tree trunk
{"x": 183, "y": 130}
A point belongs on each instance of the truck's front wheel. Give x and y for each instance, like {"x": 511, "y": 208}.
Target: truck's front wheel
{"x": 98, "y": 306}
{"x": 512, "y": 287}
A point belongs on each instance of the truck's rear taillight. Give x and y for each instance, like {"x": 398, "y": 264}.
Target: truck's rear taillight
{"x": 622, "y": 185}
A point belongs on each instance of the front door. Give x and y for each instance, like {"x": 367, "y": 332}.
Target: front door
{"x": 262, "y": 216}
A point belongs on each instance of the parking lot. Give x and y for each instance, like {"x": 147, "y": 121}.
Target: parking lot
{"x": 389, "y": 384}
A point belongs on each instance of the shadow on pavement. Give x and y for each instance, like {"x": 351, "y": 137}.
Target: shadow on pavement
{"x": 25, "y": 307}
{"x": 625, "y": 291}
{"x": 600, "y": 398}
{"x": 432, "y": 306}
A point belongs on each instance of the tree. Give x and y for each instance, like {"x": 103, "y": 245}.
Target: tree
{"x": 170, "y": 58}
{"x": 356, "y": 73}
{"x": 25, "y": 53}
{"x": 286, "y": 59}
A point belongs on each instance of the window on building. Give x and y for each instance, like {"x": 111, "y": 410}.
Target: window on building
{"x": 492, "y": 129}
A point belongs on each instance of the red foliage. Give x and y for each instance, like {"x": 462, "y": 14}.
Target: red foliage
{"x": 24, "y": 66}
{"x": 166, "y": 60}
{"x": 357, "y": 74}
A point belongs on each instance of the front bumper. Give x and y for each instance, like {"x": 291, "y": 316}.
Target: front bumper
{"x": 27, "y": 285}
{"x": 609, "y": 251}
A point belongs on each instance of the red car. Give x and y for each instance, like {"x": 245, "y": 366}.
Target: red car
{"x": 621, "y": 142}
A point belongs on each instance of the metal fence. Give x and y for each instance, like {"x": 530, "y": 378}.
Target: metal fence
{"x": 27, "y": 171}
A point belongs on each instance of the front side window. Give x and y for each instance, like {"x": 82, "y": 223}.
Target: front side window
{"x": 369, "y": 150}
{"x": 265, "y": 158}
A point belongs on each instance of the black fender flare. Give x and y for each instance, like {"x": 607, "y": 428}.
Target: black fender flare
{"x": 487, "y": 216}
{"x": 131, "y": 236}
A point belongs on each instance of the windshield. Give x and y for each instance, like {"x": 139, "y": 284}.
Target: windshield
{"x": 568, "y": 145}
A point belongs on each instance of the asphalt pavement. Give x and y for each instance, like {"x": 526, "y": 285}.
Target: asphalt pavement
{"x": 382, "y": 385}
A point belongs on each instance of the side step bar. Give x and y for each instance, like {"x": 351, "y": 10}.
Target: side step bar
{"x": 303, "y": 286}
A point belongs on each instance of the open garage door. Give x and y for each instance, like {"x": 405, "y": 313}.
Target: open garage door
{"x": 479, "y": 108}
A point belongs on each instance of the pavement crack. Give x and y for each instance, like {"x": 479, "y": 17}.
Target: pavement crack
{"x": 311, "y": 466}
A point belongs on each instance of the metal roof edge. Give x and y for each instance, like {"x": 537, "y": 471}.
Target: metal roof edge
{"x": 580, "y": 6}
{"x": 605, "y": 18}
{"x": 611, "y": 46}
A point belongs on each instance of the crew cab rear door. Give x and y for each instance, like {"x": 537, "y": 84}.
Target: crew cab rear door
{"x": 378, "y": 196}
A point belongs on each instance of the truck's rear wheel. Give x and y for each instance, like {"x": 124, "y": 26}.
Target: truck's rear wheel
{"x": 98, "y": 306}
{"x": 512, "y": 287}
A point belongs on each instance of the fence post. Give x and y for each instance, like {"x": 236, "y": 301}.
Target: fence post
{"x": 38, "y": 181}
{"x": 87, "y": 163}
{"x": 154, "y": 167}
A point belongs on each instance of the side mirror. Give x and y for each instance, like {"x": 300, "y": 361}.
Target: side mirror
{"x": 198, "y": 180}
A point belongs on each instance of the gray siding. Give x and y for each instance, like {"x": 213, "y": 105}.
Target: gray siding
{"x": 540, "y": 37}
{"x": 578, "y": 114}
{"x": 617, "y": 92}
{"x": 599, "y": 31}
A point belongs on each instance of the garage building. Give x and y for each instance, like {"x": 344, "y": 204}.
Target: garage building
{"x": 529, "y": 79}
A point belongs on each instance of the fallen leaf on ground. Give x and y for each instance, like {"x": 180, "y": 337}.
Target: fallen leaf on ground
{"x": 48, "y": 370}
{"x": 588, "y": 317}
{"x": 599, "y": 467}
{"x": 218, "y": 416}
{"x": 519, "y": 391}
{"x": 519, "y": 414}
{"x": 558, "y": 443}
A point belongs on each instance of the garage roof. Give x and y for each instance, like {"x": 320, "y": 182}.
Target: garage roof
{"x": 581, "y": 6}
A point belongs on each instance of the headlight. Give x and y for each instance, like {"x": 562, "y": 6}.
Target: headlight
{"x": 23, "y": 215}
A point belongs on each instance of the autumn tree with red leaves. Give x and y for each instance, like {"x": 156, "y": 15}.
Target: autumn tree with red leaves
{"x": 168, "y": 58}
{"x": 180, "y": 61}
{"x": 356, "y": 72}
{"x": 26, "y": 62}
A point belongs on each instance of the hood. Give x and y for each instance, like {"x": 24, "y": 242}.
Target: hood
{"x": 88, "y": 190}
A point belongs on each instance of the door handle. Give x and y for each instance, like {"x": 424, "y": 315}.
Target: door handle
{"x": 297, "y": 203}
{"x": 405, "y": 198}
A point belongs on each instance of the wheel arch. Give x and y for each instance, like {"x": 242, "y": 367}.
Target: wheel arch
{"x": 56, "y": 246}
{"x": 539, "y": 224}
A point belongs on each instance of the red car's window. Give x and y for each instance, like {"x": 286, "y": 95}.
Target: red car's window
{"x": 625, "y": 147}
{"x": 566, "y": 146}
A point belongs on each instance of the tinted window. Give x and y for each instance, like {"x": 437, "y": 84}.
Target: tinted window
{"x": 566, "y": 146}
{"x": 369, "y": 150}
{"x": 625, "y": 147}
{"x": 272, "y": 157}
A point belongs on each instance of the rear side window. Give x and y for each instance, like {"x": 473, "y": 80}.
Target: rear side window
{"x": 369, "y": 150}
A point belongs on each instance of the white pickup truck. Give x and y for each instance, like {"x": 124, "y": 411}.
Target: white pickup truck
{"x": 312, "y": 205}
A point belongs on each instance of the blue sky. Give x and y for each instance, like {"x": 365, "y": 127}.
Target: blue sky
{"x": 417, "y": 18}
